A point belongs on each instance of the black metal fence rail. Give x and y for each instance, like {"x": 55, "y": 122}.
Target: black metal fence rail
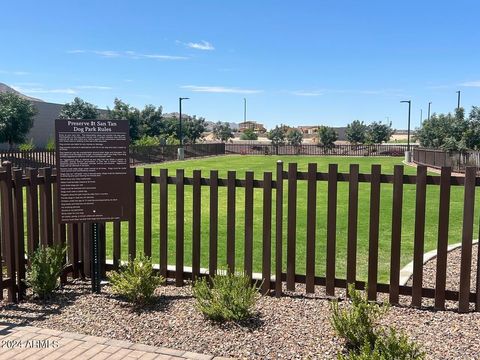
{"x": 29, "y": 159}
{"x": 435, "y": 158}
{"x": 156, "y": 154}
{"x": 337, "y": 150}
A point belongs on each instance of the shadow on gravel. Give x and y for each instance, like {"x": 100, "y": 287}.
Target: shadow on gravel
{"x": 35, "y": 309}
{"x": 160, "y": 303}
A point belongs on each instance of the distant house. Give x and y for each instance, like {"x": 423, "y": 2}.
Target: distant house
{"x": 253, "y": 125}
{"x": 308, "y": 130}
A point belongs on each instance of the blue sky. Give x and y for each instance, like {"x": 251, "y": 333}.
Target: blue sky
{"x": 296, "y": 62}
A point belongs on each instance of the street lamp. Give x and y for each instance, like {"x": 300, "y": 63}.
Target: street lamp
{"x": 429, "y": 104}
{"x": 407, "y": 153}
{"x": 244, "y": 110}
{"x": 458, "y": 100}
{"x": 180, "y": 135}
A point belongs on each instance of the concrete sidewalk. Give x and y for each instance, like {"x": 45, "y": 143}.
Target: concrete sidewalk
{"x": 28, "y": 342}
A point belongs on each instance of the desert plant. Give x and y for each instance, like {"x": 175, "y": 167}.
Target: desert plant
{"x": 46, "y": 265}
{"x": 50, "y": 146}
{"x": 396, "y": 346}
{"x": 356, "y": 324}
{"x": 136, "y": 280}
{"x": 227, "y": 297}
{"x": 28, "y": 146}
{"x": 388, "y": 346}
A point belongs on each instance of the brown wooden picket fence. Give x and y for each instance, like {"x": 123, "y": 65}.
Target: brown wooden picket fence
{"x": 42, "y": 228}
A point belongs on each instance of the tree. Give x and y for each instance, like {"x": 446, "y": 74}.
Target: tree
{"x": 327, "y": 136}
{"x": 471, "y": 136}
{"x": 277, "y": 136}
{"x": 440, "y": 127}
{"x": 294, "y": 137}
{"x": 151, "y": 121}
{"x": 249, "y": 134}
{"x": 222, "y": 131}
{"x": 193, "y": 129}
{"x": 16, "y": 118}
{"x": 378, "y": 133}
{"x": 356, "y": 132}
{"x": 79, "y": 109}
{"x": 123, "y": 111}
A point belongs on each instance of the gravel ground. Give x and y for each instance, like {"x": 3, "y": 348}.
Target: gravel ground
{"x": 293, "y": 326}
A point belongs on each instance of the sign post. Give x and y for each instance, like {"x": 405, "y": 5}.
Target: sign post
{"x": 92, "y": 177}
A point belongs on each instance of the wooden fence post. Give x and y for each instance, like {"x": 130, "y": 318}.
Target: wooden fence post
{"x": 180, "y": 238}
{"x": 292, "y": 225}
{"x": 8, "y": 230}
{"x": 331, "y": 229}
{"x": 311, "y": 227}
{"x": 279, "y": 229}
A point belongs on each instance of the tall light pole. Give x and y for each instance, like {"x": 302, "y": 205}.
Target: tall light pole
{"x": 180, "y": 135}
{"x": 244, "y": 110}
{"x": 421, "y": 116}
{"x": 458, "y": 100}
{"x": 407, "y": 153}
{"x": 429, "y": 104}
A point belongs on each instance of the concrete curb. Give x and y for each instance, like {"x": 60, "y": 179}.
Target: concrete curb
{"x": 407, "y": 271}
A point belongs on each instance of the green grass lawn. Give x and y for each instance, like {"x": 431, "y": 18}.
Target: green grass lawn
{"x": 259, "y": 164}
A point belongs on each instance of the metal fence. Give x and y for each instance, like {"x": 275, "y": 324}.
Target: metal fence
{"x": 458, "y": 161}
{"x": 336, "y": 150}
{"x": 39, "y": 212}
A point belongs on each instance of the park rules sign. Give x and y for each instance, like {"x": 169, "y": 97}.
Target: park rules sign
{"x": 93, "y": 174}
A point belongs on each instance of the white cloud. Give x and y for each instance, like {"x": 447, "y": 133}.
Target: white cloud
{"x": 37, "y": 90}
{"x": 18, "y": 73}
{"x": 94, "y": 87}
{"x": 202, "y": 45}
{"x": 127, "y": 54}
{"x": 307, "y": 93}
{"x": 220, "y": 89}
{"x": 471, "y": 84}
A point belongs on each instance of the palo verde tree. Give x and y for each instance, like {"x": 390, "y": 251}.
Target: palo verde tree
{"x": 16, "y": 118}
{"x": 222, "y": 131}
{"x": 378, "y": 133}
{"x": 79, "y": 109}
{"x": 294, "y": 137}
{"x": 356, "y": 132}
{"x": 151, "y": 121}
{"x": 249, "y": 134}
{"x": 123, "y": 111}
{"x": 277, "y": 136}
{"x": 327, "y": 137}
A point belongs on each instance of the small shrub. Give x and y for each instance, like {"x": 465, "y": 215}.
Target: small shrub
{"x": 396, "y": 346}
{"x": 46, "y": 265}
{"x": 136, "y": 281}
{"x": 147, "y": 141}
{"x": 356, "y": 324}
{"x": 28, "y": 146}
{"x": 228, "y": 297}
{"x": 363, "y": 340}
{"x": 50, "y": 146}
{"x": 388, "y": 346}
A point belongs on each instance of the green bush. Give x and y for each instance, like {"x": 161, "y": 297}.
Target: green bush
{"x": 147, "y": 141}
{"x": 393, "y": 345}
{"x": 356, "y": 325}
{"x": 28, "y": 146}
{"x": 136, "y": 281}
{"x": 388, "y": 346}
{"x": 228, "y": 297}
{"x": 46, "y": 265}
{"x": 50, "y": 146}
